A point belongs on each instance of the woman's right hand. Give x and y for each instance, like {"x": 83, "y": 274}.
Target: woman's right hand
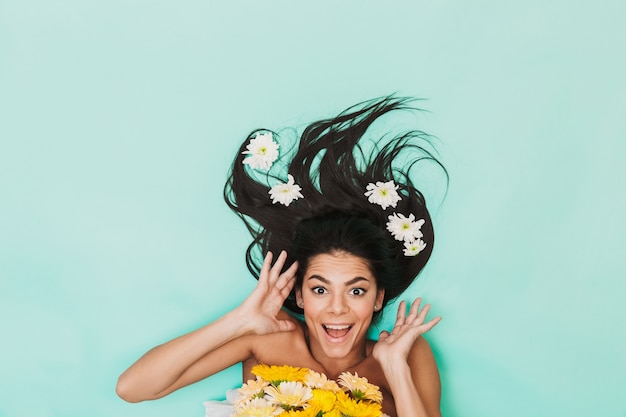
{"x": 215, "y": 346}
{"x": 261, "y": 308}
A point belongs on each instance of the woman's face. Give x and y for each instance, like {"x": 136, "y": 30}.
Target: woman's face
{"x": 338, "y": 295}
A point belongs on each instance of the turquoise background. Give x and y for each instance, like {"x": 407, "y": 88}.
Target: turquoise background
{"x": 118, "y": 121}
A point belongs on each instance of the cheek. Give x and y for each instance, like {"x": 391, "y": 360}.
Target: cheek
{"x": 366, "y": 310}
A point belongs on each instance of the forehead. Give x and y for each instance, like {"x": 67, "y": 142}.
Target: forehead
{"x": 339, "y": 265}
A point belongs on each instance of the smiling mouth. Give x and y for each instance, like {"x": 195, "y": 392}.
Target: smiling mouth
{"x": 337, "y": 331}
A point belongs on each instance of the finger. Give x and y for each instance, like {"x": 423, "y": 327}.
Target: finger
{"x": 265, "y": 268}
{"x": 286, "y": 325}
{"x": 287, "y": 277}
{"x": 400, "y": 318}
{"x": 383, "y": 335}
{"x": 422, "y": 315}
{"x": 286, "y": 290}
{"x": 429, "y": 325}
{"x": 277, "y": 267}
{"x": 414, "y": 311}
{"x": 401, "y": 313}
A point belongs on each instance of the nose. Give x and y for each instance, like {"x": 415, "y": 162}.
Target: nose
{"x": 338, "y": 304}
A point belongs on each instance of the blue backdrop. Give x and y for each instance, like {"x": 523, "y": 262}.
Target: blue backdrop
{"x": 118, "y": 121}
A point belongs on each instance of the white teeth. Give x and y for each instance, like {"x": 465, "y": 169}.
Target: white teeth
{"x": 333, "y": 327}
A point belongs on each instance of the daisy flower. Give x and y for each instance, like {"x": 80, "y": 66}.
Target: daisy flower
{"x": 360, "y": 387}
{"x": 258, "y": 407}
{"x": 320, "y": 381}
{"x": 412, "y": 248}
{"x": 252, "y": 388}
{"x": 404, "y": 228}
{"x": 288, "y": 395}
{"x": 383, "y": 193}
{"x": 263, "y": 151}
{"x": 285, "y": 193}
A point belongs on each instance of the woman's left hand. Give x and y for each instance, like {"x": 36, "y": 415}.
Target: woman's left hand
{"x": 397, "y": 344}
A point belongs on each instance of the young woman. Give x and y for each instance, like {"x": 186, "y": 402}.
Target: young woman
{"x": 351, "y": 232}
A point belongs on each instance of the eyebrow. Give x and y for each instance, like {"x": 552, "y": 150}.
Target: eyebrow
{"x": 347, "y": 283}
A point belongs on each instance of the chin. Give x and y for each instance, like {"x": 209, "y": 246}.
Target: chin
{"x": 340, "y": 347}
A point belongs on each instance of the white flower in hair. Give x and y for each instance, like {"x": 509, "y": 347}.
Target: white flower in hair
{"x": 263, "y": 151}
{"x": 404, "y": 228}
{"x": 414, "y": 247}
{"x": 383, "y": 193}
{"x": 285, "y": 193}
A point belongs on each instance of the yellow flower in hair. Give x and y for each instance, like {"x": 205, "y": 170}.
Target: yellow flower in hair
{"x": 277, "y": 374}
{"x": 350, "y": 407}
{"x": 360, "y": 388}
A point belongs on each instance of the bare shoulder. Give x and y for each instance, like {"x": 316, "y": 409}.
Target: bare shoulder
{"x": 280, "y": 348}
{"x": 421, "y": 352}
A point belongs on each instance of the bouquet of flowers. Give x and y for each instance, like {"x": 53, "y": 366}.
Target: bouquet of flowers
{"x": 287, "y": 391}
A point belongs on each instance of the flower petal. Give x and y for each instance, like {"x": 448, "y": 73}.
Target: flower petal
{"x": 285, "y": 193}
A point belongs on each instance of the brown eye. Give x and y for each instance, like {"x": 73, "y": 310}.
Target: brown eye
{"x": 357, "y": 291}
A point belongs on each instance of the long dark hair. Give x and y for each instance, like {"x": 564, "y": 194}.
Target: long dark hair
{"x": 333, "y": 164}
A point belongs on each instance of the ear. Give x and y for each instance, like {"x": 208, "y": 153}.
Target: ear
{"x": 380, "y": 296}
{"x": 299, "y": 300}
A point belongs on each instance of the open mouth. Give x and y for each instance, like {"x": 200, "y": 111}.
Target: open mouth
{"x": 337, "y": 331}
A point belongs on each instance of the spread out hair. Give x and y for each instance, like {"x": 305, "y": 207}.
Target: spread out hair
{"x": 336, "y": 190}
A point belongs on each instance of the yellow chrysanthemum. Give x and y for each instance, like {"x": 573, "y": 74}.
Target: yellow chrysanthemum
{"x": 309, "y": 411}
{"x": 325, "y": 400}
{"x": 289, "y": 394}
{"x": 333, "y": 413}
{"x": 258, "y": 407}
{"x": 360, "y": 388}
{"x": 316, "y": 380}
{"x": 277, "y": 374}
{"x": 352, "y": 408}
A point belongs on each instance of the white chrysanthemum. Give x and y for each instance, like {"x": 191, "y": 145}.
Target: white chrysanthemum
{"x": 414, "y": 247}
{"x": 263, "y": 151}
{"x": 404, "y": 228}
{"x": 320, "y": 381}
{"x": 258, "y": 407}
{"x": 288, "y": 394}
{"x": 249, "y": 390}
{"x": 383, "y": 193}
{"x": 285, "y": 193}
